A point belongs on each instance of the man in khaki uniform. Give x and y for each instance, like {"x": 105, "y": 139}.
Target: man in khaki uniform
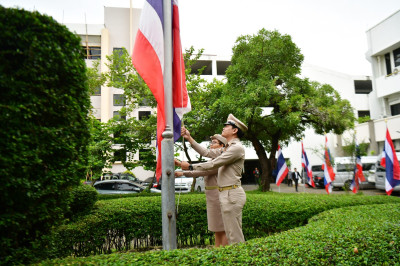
{"x": 230, "y": 165}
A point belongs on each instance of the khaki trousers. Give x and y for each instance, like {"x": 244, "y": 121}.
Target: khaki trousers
{"x": 232, "y": 202}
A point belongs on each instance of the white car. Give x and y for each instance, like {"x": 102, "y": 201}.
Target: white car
{"x": 184, "y": 184}
{"x": 344, "y": 171}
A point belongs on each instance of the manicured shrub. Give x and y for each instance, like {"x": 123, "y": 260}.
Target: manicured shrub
{"x": 44, "y": 105}
{"x": 83, "y": 199}
{"x": 356, "y": 235}
{"x": 132, "y": 223}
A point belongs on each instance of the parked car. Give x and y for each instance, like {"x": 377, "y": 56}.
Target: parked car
{"x": 183, "y": 184}
{"x": 344, "y": 171}
{"x": 318, "y": 175}
{"x": 380, "y": 175}
{"x": 117, "y": 186}
{"x": 122, "y": 176}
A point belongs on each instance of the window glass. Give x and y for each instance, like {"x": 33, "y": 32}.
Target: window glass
{"x": 316, "y": 168}
{"x": 368, "y": 166}
{"x": 344, "y": 167}
{"x": 92, "y": 52}
{"x": 396, "y": 57}
{"x": 119, "y": 100}
{"x": 144, "y": 114}
{"x": 395, "y": 109}
{"x": 127, "y": 187}
{"x": 120, "y": 117}
{"x": 105, "y": 186}
{"x": 388, "y": 64}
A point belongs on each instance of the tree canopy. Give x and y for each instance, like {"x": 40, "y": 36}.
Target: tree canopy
{"x": 265, "y": 72}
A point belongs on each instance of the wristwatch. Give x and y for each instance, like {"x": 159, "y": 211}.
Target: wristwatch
{"x": 190, "y": 167}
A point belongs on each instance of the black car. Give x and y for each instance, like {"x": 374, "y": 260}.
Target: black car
{"x": 117, "y": 186}
{"x": 318, "y": 175}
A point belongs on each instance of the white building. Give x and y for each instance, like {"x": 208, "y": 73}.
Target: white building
{"x": 384, "y": 101}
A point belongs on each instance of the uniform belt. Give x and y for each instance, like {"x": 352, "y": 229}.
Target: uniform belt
{"x": 228, "y": 187}
{"x": 211, "y": 188}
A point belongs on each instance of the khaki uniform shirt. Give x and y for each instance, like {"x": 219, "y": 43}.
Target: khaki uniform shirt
{"x": 210, "y": 153}
{"x": 230, "y": 164}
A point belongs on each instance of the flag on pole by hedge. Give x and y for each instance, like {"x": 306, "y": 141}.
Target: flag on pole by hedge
{"x": 148, "y": 59}
{"x": 329, "y": 174}
{"x": 282, "y": 169}
{"x": 306, "y": 166}
{"x": 358, "y": 172}
{"x": 391, "y": 163}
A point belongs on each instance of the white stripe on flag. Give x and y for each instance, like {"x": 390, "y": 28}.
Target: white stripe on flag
{"x": 151, "y": 27}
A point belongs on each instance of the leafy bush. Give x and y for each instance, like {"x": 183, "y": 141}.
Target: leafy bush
{"x": 44, "y": 105}
{"x": 83, "y": 199}
{"x": 129, "y": 223}
{"x": 345, "y": 236}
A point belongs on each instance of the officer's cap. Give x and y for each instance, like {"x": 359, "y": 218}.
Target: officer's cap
{"x": 233, "y": 121}
{"x": 220, "y": 138}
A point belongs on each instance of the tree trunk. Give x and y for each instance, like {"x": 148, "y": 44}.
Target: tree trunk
{"x": 266, "y": 170}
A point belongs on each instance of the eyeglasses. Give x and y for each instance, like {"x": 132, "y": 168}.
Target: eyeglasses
{"x": 214, "y": 142}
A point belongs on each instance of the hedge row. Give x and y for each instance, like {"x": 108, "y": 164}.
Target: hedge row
{"x": 368, "y": 235}
{"x": 130, "y": 223}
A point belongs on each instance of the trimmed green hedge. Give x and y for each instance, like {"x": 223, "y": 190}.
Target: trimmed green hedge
{"x": 83, "y": 199}
{"x": 353, "y": 235}
{"x": 44, "y": 106}
{"x": 130, "y": 223}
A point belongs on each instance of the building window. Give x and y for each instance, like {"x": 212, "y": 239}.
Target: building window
{"x": 388, "y": 64}
{"x": 363, "y": 86}
{"x": 204, "y": 67}
{"x": 92, "y": 52}
{"x": 144, "y": 114}
{"x": 222, "y": 66}
{"x": 119, "y": 100}
{"x": 145, "y": 102}
{"x": 363, "y": 113}
{"x": 395, "y": 109}
{"x": 96, "y": 91}
{"x": 396, "y": 56}
{"x": 120, "y": 51}
{"x": 118, "y": 116}
{"x": 120, "y": 155}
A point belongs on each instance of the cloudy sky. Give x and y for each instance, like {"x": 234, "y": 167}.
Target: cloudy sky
{"x": 330, "y": 33}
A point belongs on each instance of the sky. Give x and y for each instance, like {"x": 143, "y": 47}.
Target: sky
{"x": 330, "y": 33}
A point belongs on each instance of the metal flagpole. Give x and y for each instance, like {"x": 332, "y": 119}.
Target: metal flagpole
{"x": 167, "y": 144}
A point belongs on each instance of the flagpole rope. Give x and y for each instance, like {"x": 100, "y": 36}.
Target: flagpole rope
{"x": 182, "y": 122}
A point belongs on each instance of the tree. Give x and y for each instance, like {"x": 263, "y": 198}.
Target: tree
{"x": 264, "y": 73}
{"x": 130, "y": 134}
{"x": 122, "y": 136}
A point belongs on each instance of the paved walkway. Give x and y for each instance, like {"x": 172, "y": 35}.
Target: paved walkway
{"x": 283, "y": 188}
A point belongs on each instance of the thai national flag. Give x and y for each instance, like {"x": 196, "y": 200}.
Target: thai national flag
{"x": 329, "y": 174}
{"x": 306, "y": 166}
{"x": 391, "y": 163}
{"x": 282, "y": 168}
{"x": 358, "y": 172}
{"x": 148, "y": 59}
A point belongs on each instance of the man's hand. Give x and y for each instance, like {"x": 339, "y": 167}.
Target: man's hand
{"x": 178, "y": 174}
{"x": 185, "y": 133}
{"x": 177, "y": 162}
{"x": 185, "y": 165}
